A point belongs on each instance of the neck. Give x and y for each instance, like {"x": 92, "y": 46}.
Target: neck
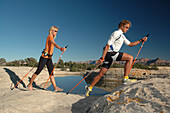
{"x": 121, "y": 30}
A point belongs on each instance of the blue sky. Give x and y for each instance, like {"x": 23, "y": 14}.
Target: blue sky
{"x": 84, "y": 25}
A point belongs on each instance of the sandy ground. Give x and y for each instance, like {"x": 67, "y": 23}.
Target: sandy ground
{"x": 21, "y": 100}
{"x": 145, "y": 96}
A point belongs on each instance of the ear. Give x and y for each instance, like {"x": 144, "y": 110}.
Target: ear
{"x": 121, "y": 27}
{"x": 51, "y": 32}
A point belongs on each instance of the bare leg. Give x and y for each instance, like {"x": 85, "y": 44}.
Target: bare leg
{"x": 31, "y": 81}
{"x": 129, "y": 59}
{"x": 53, "y": 82}
{"x": 98, "y": 77}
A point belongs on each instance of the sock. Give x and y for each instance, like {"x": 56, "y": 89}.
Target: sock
{"x": 91, "y": 87}
{"x": 126, "y": 77}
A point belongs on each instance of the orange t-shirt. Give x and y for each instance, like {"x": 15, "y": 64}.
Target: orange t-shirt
{"x": 49, "y": 47}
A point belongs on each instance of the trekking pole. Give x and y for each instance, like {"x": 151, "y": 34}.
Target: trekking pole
{"x": 137, "y": 54}
{"x": 22, "y": 79}
{"x": 84, "y": 78}
{"x": 54, "y": 67}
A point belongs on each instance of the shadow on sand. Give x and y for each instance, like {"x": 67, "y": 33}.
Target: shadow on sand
{"x": 14, "y": 78}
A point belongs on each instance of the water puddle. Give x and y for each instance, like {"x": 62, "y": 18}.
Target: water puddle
{"x": 68, "y": 82}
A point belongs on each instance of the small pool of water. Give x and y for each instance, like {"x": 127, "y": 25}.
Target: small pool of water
{"x": 68, "y": 82}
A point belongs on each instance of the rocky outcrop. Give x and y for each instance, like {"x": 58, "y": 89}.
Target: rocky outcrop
{"x": 144, "y": 96}
{"x": 143, "y": 61}
{"x": 115, "y": 74}
{"x": 159, "y": 62}
{"x": 150, "y": 62}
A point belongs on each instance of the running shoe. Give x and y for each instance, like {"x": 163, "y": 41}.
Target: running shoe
{"x": 126, "y": 81}
{"x": 88, "y": 91}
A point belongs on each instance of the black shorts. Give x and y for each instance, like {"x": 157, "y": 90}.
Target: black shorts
{"x": 110, "y": 57}
{"x": 42, "y": 63}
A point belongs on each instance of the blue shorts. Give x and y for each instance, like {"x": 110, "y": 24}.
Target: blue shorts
{"x": 110, "y": 57}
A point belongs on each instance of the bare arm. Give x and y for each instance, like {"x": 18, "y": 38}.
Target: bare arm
{"x": 57, "y": 46}
{"x": 137, "y": 42}
{"x": 104, "y": 54}
{"x": 105, "y": 50}
{"x": 134, "y": 43}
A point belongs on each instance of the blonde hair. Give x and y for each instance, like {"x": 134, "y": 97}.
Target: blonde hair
{"x": 124, "y": 22}
{"x": 52, "y": 28}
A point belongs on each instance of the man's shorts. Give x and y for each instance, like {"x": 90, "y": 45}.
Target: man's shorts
{"x": 110, "y": 57}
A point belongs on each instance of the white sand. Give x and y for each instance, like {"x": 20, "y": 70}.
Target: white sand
{"x": 37, "y": 101}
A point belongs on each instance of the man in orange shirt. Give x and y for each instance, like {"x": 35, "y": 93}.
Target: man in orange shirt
{"x": 46, "y": 58}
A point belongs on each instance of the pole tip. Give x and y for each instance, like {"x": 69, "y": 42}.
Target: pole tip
{"x": 147, "y": 35}
{"x": 66, "y": 46}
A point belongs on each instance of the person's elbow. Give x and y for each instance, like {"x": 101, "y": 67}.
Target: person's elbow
{"x": 107, "y": 45}
{"x": 130, "y": 45}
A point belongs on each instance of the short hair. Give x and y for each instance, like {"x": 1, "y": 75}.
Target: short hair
{"x": 124, "y": 22}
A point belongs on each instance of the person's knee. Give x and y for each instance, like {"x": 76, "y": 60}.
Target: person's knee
{"x": 127, "y": 57}
{"x": 37, "y": 73}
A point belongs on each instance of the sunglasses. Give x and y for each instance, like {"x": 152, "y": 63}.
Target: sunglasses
{"x": 55, "y": 31}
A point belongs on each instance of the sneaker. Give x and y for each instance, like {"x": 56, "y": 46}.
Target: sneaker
{"x": 125, "y": 81}
{"x": 88, "y": 91}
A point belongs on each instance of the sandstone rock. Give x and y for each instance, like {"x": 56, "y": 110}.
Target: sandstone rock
{"x": 144, "y": 96}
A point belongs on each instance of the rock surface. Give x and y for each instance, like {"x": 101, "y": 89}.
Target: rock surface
{"x": 117, "y": 74}
{"x": 144, "y": 96}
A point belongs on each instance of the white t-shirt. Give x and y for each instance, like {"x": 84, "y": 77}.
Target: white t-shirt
{"x": 116, "y": 41}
